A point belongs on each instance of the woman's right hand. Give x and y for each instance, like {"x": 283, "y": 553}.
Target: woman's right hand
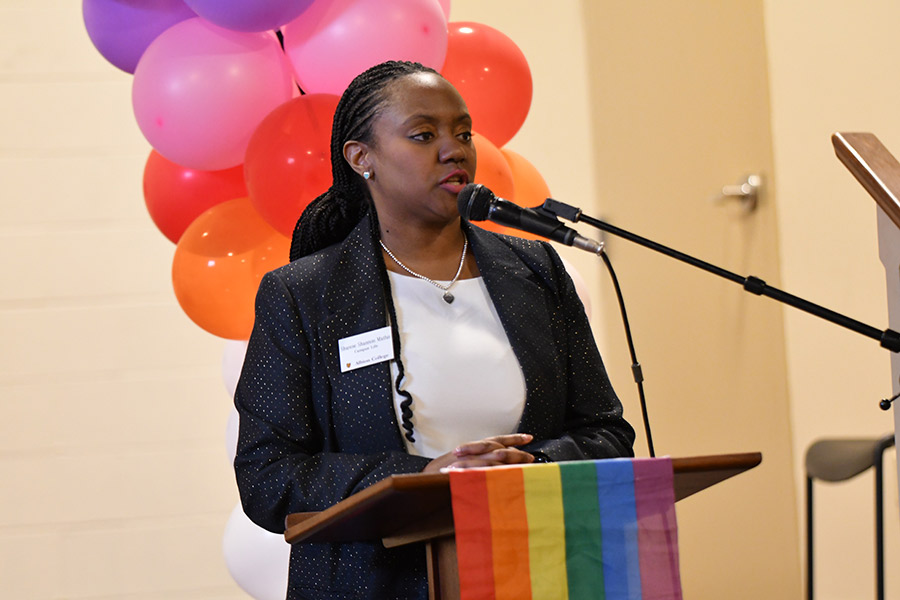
{"x": 489, "y": 452}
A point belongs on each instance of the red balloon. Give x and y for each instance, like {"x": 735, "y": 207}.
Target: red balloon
{"x": 493, "y": 77}
{"x": 288, "y": 160}
{"x": 176, "y": 195}
{"x": 218, "y": 264}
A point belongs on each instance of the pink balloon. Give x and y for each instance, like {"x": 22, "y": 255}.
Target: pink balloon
{"x": 445, "y": 6}
{"x": 199, "y": 92}
{"x": 333, "y": 41}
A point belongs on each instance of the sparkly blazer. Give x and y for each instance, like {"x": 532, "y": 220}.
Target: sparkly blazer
{"x": 311, "y": 436}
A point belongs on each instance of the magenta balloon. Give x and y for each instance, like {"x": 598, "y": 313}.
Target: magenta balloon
{"x": 199, "y": 92}
{"x": 249, "y": 15}
{"x": 333, "y": 41}
{"x": 122, "y": 29}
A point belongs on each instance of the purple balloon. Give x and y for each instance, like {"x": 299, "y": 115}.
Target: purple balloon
{"x": 122, "y": 29}
{"x": 249, "y": 15}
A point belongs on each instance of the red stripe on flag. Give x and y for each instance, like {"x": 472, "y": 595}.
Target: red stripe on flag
{"x": 506, "y": 496}
{"x": 472, "y": 521}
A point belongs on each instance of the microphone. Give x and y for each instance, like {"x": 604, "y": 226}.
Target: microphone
{"x": 477, "y": 203}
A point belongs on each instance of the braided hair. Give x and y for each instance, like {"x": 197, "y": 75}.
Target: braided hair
{"x": 332, "y": 216}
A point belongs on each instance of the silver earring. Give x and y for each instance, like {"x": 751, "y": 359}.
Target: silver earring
{"x": 366, "y": 175}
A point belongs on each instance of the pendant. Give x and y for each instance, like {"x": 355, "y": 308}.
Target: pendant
{"x": 448, "y": 298}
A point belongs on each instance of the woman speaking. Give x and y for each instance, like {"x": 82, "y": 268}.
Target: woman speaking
{"x": 402, "y": 339}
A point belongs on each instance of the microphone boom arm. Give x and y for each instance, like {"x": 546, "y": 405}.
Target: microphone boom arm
{"x": 888, "y": 338}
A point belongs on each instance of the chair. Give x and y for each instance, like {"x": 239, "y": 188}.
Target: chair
{"x": 840, "y": 460}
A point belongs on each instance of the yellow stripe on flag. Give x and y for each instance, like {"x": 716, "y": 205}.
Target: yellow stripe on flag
{"x": 546, "y": 532}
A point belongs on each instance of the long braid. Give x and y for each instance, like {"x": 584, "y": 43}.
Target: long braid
{"x": 332, "y": 216}
{"x": 406, "y": 412}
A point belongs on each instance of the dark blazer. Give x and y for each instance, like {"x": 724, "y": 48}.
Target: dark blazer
{"x": 311, "y": 436}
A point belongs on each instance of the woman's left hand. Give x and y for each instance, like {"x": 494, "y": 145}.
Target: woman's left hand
{"x": 489, "y": 452}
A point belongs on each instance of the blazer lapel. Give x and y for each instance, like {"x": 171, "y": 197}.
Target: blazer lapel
{"x": 356, "y": 304}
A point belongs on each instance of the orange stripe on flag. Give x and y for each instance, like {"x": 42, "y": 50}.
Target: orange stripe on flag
{"x": 506, "y": 498}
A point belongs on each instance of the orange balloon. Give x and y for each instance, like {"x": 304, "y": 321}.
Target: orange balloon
{"x": 494, "y": 173}
{"x": 531, "y": 189}
{"x": 218, "y": 264}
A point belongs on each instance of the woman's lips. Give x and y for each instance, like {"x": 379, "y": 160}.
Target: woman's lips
{"x": 455, "y": 181}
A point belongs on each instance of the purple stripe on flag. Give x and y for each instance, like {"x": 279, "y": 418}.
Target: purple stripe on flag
{"x": 657, "y": 530}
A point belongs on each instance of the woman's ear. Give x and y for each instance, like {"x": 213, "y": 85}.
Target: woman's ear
{"x": 357, "y": 156}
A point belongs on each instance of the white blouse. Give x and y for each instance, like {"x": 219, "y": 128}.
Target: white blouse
{"x": 465, "y": 381}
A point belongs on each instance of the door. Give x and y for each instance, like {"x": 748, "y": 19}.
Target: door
{"x": 680, "y": 109}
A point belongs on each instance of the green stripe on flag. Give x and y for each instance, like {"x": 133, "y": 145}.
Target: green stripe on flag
{"x": 584, "y": 543}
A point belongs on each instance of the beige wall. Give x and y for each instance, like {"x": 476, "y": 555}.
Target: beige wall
{"x": 113, "y": 411}
{"x": 833, "y": 68}
{"x": 112, "y": 408}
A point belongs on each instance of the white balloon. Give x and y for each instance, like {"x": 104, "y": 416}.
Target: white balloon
{"x": 581, "y": 287}
{"x": 232, "y": 363}
{"x": 231, "y": 434}
{"x": 256, "y": 559}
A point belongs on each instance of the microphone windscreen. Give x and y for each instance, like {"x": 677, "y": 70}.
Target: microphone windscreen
{"x": 474, "y": 202}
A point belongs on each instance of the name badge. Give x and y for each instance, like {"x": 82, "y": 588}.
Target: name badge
{"x": 365, "y": 349}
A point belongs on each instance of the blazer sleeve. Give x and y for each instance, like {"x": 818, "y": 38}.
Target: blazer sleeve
{"x": 283, "y": 464}
{"x": 593, "y": 422}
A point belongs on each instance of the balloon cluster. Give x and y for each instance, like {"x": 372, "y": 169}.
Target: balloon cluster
{"x": 236, "y": 98}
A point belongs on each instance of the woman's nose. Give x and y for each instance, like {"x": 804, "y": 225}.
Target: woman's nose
{"x": 453, "y": 150}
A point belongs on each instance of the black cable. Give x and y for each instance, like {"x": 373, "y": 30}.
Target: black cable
{"x": 635, "y": 365}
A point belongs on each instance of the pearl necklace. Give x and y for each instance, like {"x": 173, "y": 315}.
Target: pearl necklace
{"x": 448, "y": 297}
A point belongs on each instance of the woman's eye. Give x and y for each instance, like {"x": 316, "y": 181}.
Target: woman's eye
{"x": 466, "y": 136}
{"x": 423, "y": 136}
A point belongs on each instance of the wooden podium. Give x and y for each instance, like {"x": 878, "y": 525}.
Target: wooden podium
{"x": 876, "y": 169}
{"x": 404, "y": 509}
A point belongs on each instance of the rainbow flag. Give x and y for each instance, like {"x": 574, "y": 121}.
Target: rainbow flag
{"x": 603, "y": 530}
